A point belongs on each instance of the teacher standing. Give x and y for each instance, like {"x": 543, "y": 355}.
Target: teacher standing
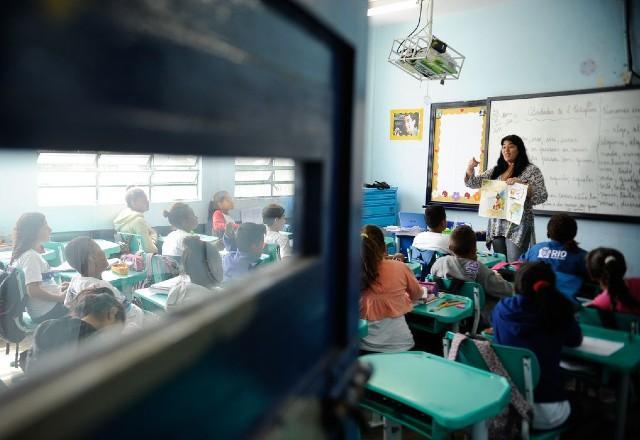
{"x": 513, "y": 167}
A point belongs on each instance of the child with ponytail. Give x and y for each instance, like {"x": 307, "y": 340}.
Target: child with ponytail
{"x": 540, "y": 318}
{"x": 607, "y": 267}
{"x": 388, "y": 289}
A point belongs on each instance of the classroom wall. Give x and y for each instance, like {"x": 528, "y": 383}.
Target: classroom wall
{"x": 17, "y": 197}
{"x": 557, "y": 37}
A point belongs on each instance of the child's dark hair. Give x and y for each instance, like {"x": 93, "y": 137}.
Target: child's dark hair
{"x": 462, "y": 240}
{"x": 97, "y": 302}
{"x": 375, "y": 234}
{"x": 76, "y": 252}
{"x": 249, "y": 234}
{"x": 563, "y": 228}
{"x": 371, "y": 258}
{"x": 434, "y": 215}
{"x": 178, "y": 215}
{"x": 608, "y": 267}
{"x": 216, "y": 200}
{"x": 26, "y": 233}
{"x": 132, "y": 194}
{"x": 271, "y": 213}
{"x": 538, "y": 282}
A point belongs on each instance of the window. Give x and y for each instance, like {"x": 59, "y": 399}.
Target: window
{"x": 264, "y": 177}
{"x": 102, "y": 178}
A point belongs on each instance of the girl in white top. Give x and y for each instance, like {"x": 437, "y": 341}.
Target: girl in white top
{"x": 84, "y": 255}
{"x": 273, "y": 218}
{"x": 45, "y": 297}
{"x": 184, "y": 220}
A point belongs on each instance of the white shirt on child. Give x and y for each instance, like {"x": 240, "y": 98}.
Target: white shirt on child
{"x": 36, "y": 270}
{"x": 173, "y": 245}
{"x": 274, "y": 237}
{"x": 134, "y": 314}
{"x": 433, "y": 241}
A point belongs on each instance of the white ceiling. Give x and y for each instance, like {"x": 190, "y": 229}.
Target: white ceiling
{"x": 440, "y": 7}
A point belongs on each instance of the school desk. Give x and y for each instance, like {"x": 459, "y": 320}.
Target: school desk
{"x": 490, "y": 259}
{"x": 363, "y": 328}
{"x": 430, "y": 317}
{"x": 124, "y": 283}
{"x": 623, "y": 362}
{"x": 432, "y": 395}
{"x": 48, "y": 255}
{"x": 108, "y": 247}
{"x": 153, "y": 300}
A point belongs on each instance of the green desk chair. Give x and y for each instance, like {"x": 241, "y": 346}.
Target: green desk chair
{"x": 617, "y": 321}
{"x": 273, "y": 250}
{"x": 521, "y": 364}
{"x": 58, "y": 248}
{"x": 163, "y": 267}
{"x": 134, "y": 241}
{"x": 472, "y": 290}
{"x": 23, "y": 323}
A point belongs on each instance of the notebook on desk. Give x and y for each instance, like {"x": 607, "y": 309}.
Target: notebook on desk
{"x": 412, "y": 219}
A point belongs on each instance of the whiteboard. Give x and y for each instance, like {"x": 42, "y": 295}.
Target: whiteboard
{"x": 457, "y": 134}
{"x": 587, "y": 145}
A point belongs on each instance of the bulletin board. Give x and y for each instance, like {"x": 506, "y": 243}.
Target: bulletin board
{"x": 457, "y": 134}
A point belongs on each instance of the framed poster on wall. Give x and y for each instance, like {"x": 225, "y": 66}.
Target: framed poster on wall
{"x": 457, "y": 134}
{"x": 406, "y": 124}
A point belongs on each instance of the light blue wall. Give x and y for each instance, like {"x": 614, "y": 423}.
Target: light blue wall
{"x": 18, "y": 194}
{"x": 515, "y": 47}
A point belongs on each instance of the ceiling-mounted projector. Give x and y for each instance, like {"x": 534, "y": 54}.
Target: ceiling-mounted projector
{"x": 423, "y": 55}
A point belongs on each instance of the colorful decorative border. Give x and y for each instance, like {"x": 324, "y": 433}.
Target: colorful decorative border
{"x": 418, "y": 137}
{"x": 470, "y": 197}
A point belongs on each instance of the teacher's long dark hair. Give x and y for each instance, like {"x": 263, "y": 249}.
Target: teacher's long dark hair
{"x": 521, "y": 161}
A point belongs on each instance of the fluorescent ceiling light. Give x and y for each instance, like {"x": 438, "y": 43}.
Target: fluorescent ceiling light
{"x": 392, "y": 7}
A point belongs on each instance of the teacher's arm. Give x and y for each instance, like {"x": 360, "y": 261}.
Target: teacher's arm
{"x": 470, "y": 179}
{"x": 538, "y": 193}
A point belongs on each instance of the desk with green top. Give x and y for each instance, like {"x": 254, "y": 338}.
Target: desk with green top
{"x": 48, "y": 255}
{"x": 490, "y": 259}
{"x": 432, "y": 395}
{"x": 124, "y": 283}
{"x": 108, "y": 247}
{"x": 430, "y": 318}
{"x": 624, "y": 362}
{"x": 153, "y": 300}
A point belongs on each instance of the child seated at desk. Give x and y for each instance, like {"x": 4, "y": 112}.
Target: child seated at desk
{"x": 273, "y": 218}
{"x": 219, "y": 208}
{"x": 85, "y": 256}
{"x": 388, "y": 290}
{"x": 45, "y": 297}
{"x": 131, "y": 219}
{"x": 184, "y": 220}
{"x": 94, "y": 310}
{"x": 540, "y": 318}
{"x": 561, "y": 251}
{"x": 433, "y": 240}
{"x": 249, "y": 240}
{"x": 201, "y": 271}
{"x": 464, "y": 265}
{"x": 607, "y": 267}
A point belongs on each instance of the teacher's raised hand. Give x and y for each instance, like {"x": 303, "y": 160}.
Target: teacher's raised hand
{"x": 471, "y": 165}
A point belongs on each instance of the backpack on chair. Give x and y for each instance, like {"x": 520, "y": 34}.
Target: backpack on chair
{"x": 13, "y": 300}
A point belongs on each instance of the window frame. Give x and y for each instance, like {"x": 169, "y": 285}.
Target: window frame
{"x": 272, "y": 167}
{"x": 150, "y": 169}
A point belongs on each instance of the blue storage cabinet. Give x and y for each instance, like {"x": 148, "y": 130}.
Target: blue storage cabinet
{"x": 379, "y": 206}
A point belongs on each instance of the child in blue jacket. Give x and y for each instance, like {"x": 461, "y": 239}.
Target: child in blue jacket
{"x": 540, "y": 319}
